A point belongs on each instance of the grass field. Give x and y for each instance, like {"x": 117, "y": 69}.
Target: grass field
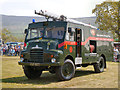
{"x": 13, "y": 77}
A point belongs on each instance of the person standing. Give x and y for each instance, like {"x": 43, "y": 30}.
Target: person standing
{"x": 16, "y": 50}
{"x": 21, "y": 48}
{"x": 116, "y": 53}
{"x": 1, "y": 49}
{"x": 12, "y": 50}
{"x": 6, "y": 49}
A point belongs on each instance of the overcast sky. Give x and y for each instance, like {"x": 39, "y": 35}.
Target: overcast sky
{"x": 69, "y": 8}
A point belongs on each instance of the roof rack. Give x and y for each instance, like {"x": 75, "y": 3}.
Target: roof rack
{"x": 51, "y": 15}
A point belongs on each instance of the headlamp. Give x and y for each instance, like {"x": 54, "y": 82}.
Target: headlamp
{"x": 53, "y": 60}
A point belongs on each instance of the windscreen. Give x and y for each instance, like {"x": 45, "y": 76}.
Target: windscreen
{"x": 35, "y": 33}
{"x": 55, "y": 33}
{"x": 52, "y": 33}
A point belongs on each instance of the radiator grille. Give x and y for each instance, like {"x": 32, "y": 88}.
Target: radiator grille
{"x": 36, "y": 55}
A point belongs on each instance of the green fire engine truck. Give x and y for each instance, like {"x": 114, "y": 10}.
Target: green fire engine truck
{"x": 60, "y": 45}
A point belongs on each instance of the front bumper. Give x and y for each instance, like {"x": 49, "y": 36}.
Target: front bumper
{"x": 39, "y": 64}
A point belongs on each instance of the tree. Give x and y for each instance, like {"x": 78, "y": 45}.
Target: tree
{"x": 108, "y": 17}
{"x": 7, "y": 37}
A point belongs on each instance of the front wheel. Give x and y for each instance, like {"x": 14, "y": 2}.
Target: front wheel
{"x": 32, "y": 72}
{"x": 99, "y": 67}
{"x": 67, "y": 71}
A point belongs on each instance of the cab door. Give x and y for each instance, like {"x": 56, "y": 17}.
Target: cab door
{"x": 78, "y": 40}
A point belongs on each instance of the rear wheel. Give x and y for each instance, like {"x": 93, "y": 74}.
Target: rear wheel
{"x": 99, "y": 67}
{"x": 66, "y": 71}
{"x": 32, "y": 72}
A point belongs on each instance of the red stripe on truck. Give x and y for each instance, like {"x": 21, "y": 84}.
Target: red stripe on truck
{"x": 96, "y": 38}
{"x": 67, "y": 42}
{"x": 83, "y": 43}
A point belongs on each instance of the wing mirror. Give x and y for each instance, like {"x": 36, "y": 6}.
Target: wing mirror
{"x": 26, "y": 31}
{"x": 70, "y": 30}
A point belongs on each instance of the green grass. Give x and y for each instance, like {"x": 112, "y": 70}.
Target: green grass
{"x": 13, "y": 77}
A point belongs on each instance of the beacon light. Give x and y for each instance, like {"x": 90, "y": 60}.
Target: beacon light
{"x": 33, "y": 20}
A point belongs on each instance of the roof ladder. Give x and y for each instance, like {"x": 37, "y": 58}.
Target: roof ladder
{"x": 51, "y": 15}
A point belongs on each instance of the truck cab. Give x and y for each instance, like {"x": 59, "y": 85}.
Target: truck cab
{"x": 42, "y": 41}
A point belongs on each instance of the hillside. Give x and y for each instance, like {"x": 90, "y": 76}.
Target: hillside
{"x": 17, "y": 24}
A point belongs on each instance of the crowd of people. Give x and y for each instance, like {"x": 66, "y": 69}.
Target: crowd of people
{"x": 11, "y": 50}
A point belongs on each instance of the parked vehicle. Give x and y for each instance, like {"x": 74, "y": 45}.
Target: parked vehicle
{"x": 22, "y": 43}
{"x": 12, "y": 43}
{"x": 62, "y": 45}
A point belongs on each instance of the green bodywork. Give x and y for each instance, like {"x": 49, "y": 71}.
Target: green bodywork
{"x": 104, "y": 48}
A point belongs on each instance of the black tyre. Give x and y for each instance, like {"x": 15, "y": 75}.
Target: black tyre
{"x": 32, "y": 72}
{"x": 67, "y": 71}
{"x": 99, "y": 67}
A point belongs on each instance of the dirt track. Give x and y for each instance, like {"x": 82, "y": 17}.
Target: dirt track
{"x": 13, "y": 77}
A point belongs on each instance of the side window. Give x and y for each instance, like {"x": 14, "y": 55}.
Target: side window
{"x": 34, "y": 33}
{"x": 70, "y": 34}
{"x": 67, "y": 35}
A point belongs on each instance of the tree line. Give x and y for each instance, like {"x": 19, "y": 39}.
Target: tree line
{"x": 8, "y": 37}
{"x": 108, "y": 17}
